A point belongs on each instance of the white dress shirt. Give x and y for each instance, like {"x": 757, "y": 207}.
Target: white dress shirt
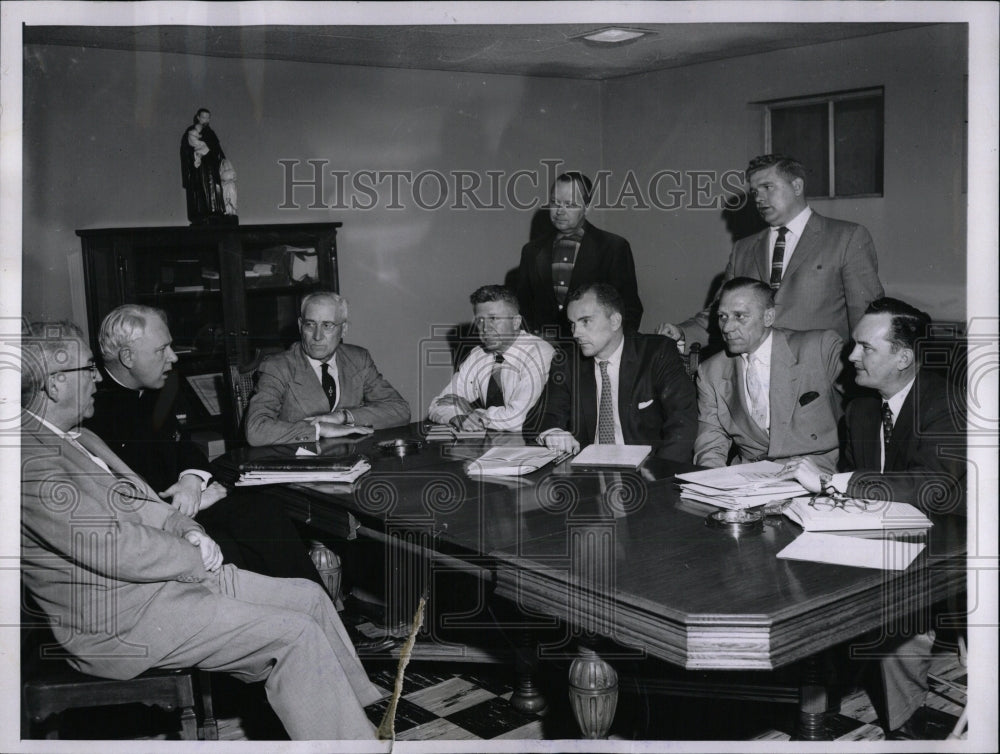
{"x": 523, "y": 375}
{"x": 317, "y": 367}
{"x": 763, "y": 358}
{"x": 795, "y": 227}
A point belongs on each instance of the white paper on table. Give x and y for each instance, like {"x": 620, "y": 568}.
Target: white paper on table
{"x": 617, "y": 456}
{"x": 746, "y": 477}
{"x": 884, "y": 554}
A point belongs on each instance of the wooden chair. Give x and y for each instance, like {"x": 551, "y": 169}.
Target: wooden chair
{"x": 691, "y": 360}
{"x": 50, "y": 687}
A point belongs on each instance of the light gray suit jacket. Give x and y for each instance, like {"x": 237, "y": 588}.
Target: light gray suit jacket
{"x": 105, "y": 558}
{"x": 288, "y": 391}
{"x": 829, "y": 281}
{"x": 805, "y": 403}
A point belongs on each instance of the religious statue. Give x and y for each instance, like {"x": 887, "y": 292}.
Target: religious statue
{"x": 228, "y": 174}
{"x": 201, "y": 159}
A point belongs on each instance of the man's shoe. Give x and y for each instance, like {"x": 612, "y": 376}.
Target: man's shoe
{"x": 365, "y": 645}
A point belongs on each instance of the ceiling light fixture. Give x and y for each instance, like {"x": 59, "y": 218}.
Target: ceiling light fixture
{"x": 613, "y": 35}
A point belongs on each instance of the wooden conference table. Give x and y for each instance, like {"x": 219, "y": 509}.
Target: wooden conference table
{"x": 629, "y": 569}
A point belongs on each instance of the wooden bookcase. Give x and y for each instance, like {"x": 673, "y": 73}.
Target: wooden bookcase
{"x": 229, "y": 291}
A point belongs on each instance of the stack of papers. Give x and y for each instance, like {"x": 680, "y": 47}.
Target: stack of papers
{"x": 614, "y": 456}
{"x": 511, "y": 461}
{"x": 446, "y": 433}
{"x": 299, "y": 470}
{"x": 848, "y": 517}
{"x": 747, "y": 485}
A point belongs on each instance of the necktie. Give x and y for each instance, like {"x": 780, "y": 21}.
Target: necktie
{"x": 494, "y": 392}
{"x": 563, "y": 258}
{"x": 606, "y": 412}
{"x": 755, "y": 390}
{"x": 329, "y": 385}
{"x": 886, "y": 425}
{"x": 778, "y": 258}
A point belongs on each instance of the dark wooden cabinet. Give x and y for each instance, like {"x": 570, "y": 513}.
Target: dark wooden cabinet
{"x": 229, "y": 292}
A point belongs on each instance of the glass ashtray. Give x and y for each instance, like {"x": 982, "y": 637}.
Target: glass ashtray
{"x": 400, "y": 447}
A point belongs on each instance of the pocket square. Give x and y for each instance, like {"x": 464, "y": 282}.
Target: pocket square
{"x": 807, "y": 398}
{"x": 645, "y": 404}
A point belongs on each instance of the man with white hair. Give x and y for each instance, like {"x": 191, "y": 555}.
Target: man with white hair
{"x": 321, "y": 386}
{"x": 130, "y": 583}
{"x": 136, "y": 418}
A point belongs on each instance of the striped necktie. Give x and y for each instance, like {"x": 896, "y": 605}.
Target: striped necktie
{"x": 778, "y": 258}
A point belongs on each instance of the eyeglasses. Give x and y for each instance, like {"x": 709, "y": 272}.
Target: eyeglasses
{"x": 491, "y": 321}
{"x": 92, "y": 367}
{"x": 328, "y": 327}
{"x": 831, "y": 500}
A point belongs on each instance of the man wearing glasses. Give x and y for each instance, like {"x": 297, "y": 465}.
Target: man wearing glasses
{"x": 500, "y": 382}
{"x": 574, "y": 254}
{"x": 130, "y": 583}
{"x": 321, "y": 386}
{"x": 905, "y": 443}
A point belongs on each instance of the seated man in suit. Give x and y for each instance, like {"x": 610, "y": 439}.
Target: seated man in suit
{"x": 136, "y": 420}
{"x": 321, "y": 386}
{"x": 574, "y": 254}
{"x": 499, "y": 383}
{"x": 772, "y": 393}
{"x": 824, "y": 272}
{"x": 904, "y": 442}
{"x": 620, "y": 389}
{"x": 130, "y": 583}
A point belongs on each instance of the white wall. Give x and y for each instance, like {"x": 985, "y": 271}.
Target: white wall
{"x": 699, "y": 118}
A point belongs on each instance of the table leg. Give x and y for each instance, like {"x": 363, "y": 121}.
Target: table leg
{"x": 527, "y": 697}
{"x": 814, "y": 702}
{"x": 593, "y": 693}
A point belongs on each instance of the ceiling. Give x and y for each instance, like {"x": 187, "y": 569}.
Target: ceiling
{"x": 522, "y": 50}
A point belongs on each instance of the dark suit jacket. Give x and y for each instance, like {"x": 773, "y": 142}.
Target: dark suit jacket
{"x": 656, "y": 399}
{"x": 288, "y": 391}
{"x": 801, "y": 363}
{"x": 602, "y": 258}
{"x": 829, "y": 281}
{"x": 142, "y": 430}
{"x": 925, "y": 461}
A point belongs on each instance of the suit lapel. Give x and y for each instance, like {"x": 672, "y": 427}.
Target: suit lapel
{"x": 628, "y": 375}
{"x": 902, "y": 430}
{"x": 588, "y": 401}
{"x": 784, "y": 383}
{"x": 760, "y": 255}
{"x": 543, "y": 263}
{"x": 807, "y": 246}
{"x": 97, "y": 447}
{"x": 732, "y": 394}
{"x": 308, "y": 390}
{"x": 586, "y": 259}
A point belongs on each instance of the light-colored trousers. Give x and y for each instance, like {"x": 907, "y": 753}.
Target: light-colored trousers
{"x": 286, "y": 633}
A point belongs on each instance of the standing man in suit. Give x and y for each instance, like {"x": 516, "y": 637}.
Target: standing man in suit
{"x": 498, "y": 384}
{"x": 823, "y": 271}
{"x": 901, "y": 446}
{"x": 321, "y": 386}
{"x": 575, "y": 254}
{"x": 772, "y": 394}
{"x": 624, "y": 389}
{"x": 130, "y": 583}
{"x": 136, "y": 420}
